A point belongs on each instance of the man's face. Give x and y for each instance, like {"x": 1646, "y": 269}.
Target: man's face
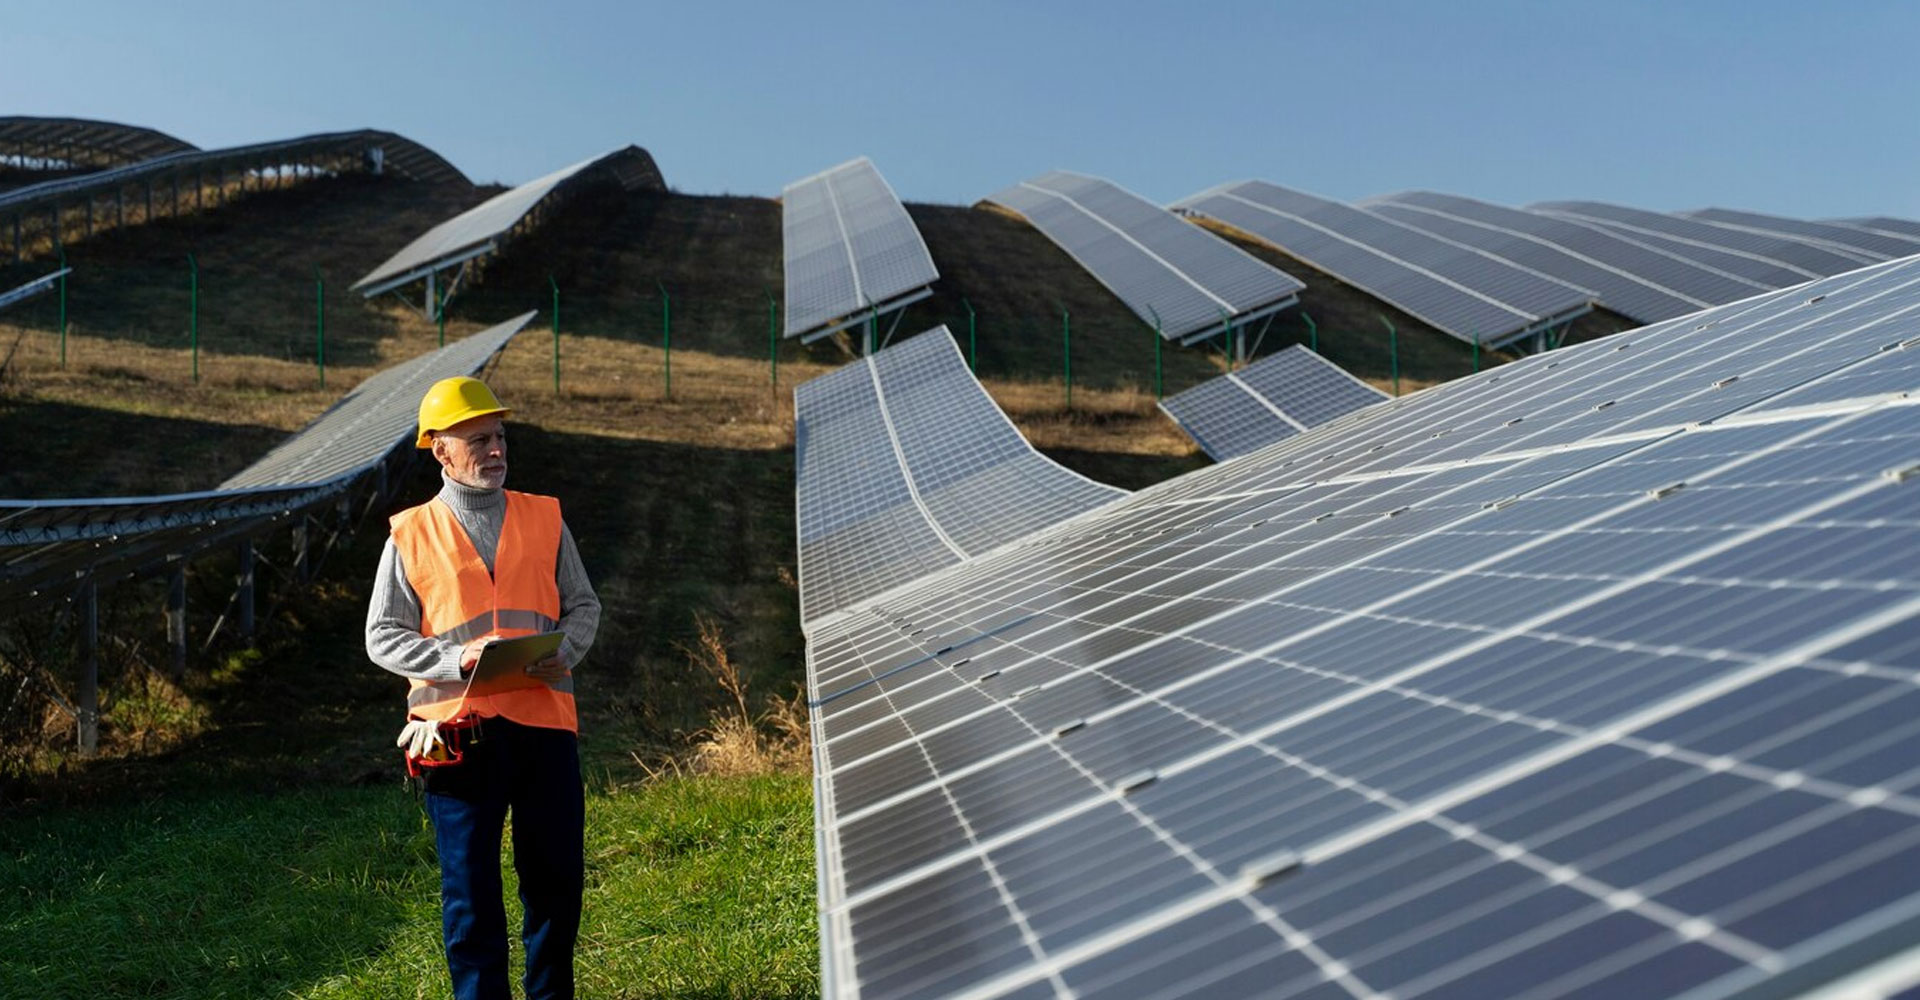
{"x": 474, "y": 452}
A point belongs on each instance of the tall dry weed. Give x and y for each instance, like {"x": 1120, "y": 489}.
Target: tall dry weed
{"x": 736, "y": 742}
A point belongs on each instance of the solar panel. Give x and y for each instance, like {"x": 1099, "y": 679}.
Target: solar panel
{"x": 1874, "y": 246}
{"x": 399, "y": 153}
{"x": 374, "y": 418}
{"x": 37, "y": 286}
{"x": 480, "y": 229}
{"x": 1276, "y": 397}
{"x": 904, "y": 465}
{"x": 80, "y": 142}
{"x": 1881, "y": 224}
{"x": 851, "y": 250}
{"x": 1185, "y": 282}
{"x": 1593, "y": 675}
{"x": 1631, "y": 280}
{"x": 48, "y": 546}
{"x": 1457, "y": 289}
{"x": 1802, "y": 259}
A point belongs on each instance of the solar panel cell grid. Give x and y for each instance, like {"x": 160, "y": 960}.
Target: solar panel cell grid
{"x": 1623, "y": 292}
{"x": 849, "y": 246}
{"x": 1176, "y": 278}
{"x": 905, "y": 466}
{"x": 1799, "y": 257}
{"x": 1273, "y": 398}
{"x": 1463, "y": 292}
{"x": 1624, "y": 715}
{"x": 1843, "y": 239}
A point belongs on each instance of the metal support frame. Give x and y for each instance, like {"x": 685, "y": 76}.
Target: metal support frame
{"x": 861, "y": 317}
{"x": 88, "y": 717}
{"x": 177, "y": 619}
{"x": 430, "y": 272}
{"x": 243, "y": 590}
{"x": 1188, "y": 340}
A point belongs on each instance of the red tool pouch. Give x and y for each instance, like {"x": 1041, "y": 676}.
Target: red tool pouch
{"x": 452, "y": 748}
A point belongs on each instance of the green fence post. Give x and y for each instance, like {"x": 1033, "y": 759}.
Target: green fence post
{"x": 773, "y": 345}
{"x": 1066, "y": 351}
{"x": 973, "y": 351}
{"x": 320, "y": 324}
{"x": 193, "y": 330}
{"x": 63, "y": 308}
{"x": 1158, "y": 338}
{"x": 1393, "y": 352}
{"x": 1313, "y": 332}
{"x": 556, "y": 333}
{"x": 666, "y": 332}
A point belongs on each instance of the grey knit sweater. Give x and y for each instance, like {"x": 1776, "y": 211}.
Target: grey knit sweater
{"x": 393, "y": 613}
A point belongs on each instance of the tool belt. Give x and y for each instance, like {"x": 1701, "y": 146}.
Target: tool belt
{"x": 455, "y": 735}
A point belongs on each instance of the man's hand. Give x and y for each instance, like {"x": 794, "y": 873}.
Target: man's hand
{"x": 470, "y": 653}
{"x": 550, "y": 669}
{"x": 419, "y": 738}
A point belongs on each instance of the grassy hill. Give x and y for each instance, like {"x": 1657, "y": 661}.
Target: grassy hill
{"x": 682, "y": 503}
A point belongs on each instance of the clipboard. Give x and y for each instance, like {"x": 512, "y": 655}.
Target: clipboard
{"x": 503, "y": 663}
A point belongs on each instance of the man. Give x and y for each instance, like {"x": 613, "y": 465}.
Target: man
{"x": 474, "y": 564}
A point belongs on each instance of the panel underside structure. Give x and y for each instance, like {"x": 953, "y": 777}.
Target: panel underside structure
{"x": 1278, "y": 396}
{"x": 850, "y": 248}
{"x": 479, "y": 230}
{"x": 1460, "y": 290}
{"x": 1593, "y": 675}
{"x": 1181, "y": 280}
{"x": 905, "y": 466}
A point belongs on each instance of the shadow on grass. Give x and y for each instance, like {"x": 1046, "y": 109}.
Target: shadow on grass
{"x": 53, "y": 449}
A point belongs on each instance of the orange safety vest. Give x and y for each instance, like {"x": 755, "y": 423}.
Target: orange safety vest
{"x": 460, "y": 601}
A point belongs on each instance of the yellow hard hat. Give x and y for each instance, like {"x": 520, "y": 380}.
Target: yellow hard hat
{"x": 453, "y": 400}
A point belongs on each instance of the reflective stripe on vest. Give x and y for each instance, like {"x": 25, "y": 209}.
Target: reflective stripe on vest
{"x": 460, "y": 601}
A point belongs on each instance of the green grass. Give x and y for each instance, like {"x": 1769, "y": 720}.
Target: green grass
{"x": 696, "y": 888}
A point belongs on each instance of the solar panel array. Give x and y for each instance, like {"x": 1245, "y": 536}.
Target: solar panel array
{"x": 1593, "y": 675}
{"x": 400, "y": 154}
{"x": 1845, "y": 239}
{"x": 80, "y": 142}
{"x": 850, "y": 247}
{"x": 1184, "y": 282}
{"x": 1456, "y": 288}
{"x": 1276, "y": 397}
{"x": 1774, "y": 260}
{"x": 48, "y": 545}
{"x": 1881, "y": 224}
{"x": 1632, "y": 280}
{"x": 905, "y": 466}
{"x": 478, "y": 230}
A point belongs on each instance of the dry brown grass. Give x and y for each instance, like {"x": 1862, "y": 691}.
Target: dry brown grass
{"x": 737, "y": 742}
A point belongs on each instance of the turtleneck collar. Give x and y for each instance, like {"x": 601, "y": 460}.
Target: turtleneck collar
{"x": 460, "y": 496}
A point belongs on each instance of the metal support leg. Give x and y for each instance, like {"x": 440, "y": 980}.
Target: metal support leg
{"x": 243, "y": 597}
{"x": 89, "y": 714}
{"x": 177, "y": 619}
{"x": 300, "y": 569}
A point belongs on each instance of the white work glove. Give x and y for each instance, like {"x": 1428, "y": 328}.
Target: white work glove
{"x": 419, "y": 738}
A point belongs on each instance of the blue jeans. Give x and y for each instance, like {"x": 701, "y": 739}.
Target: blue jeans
{"x": 535, "y": 773}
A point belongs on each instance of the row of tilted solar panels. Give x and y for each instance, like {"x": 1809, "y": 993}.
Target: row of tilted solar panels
{"x": 1481, "y": 272}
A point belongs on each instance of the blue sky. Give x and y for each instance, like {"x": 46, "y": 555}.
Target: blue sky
{"x": 1794, "y": 108}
